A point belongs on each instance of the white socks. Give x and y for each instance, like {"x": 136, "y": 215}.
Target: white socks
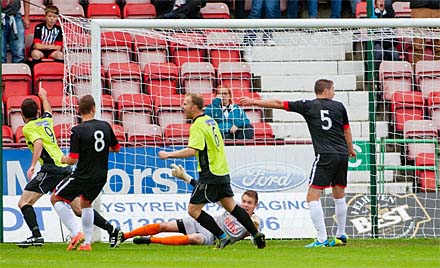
{"x": 87, "y": 224}
{"x": 317, "y": 216}
{"x": 341, "y": 215}
{"x": 66, "y": 216}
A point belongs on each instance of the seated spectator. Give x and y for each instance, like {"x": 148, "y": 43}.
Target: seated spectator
{"x": 231, "y": 119}
{"x": 48, "y": 37}
{"x": 185, "y": 9}
{"x": 384, "y": 49}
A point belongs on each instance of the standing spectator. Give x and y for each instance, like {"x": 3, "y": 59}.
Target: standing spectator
{"x": 293, "y": 8}
{"x": 271, "y": 10}
{"x": 239, "y": 9}
{"x": 231, "y": 119}
{"x": 425, "y": 9}
{"x": 13, "y": 28}
{"x": 206, "y": 144}
{"x": 48, "y": 37}
{"x": 353, "y": 4}
{"x": 328, "y": 124}
{"x": 185, "y": 9}
{"x": 384, "y": 49}
{"x": 90, "y": 144}
{"x": 40, "y": 139}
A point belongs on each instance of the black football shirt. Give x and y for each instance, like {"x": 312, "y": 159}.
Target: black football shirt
{"x": 326, "y": 120}
{"x": 89, "y": 143}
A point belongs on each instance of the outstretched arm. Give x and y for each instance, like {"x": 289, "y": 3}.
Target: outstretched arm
{"x": 42, "y": 93}
{"x": 273, "y": 103}
{"x": 183, "y": 153}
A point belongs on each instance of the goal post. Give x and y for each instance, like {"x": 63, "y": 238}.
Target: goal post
{"x": 144, "y": 67}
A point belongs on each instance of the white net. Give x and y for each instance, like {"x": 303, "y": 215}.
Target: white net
{"x": 389, "y": 86}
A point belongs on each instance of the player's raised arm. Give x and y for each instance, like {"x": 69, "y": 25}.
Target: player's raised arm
{"x": 273, "y": 103}
{"x": 42, "y": 93}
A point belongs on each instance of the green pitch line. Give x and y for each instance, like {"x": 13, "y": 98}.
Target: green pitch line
{"x": 278, "y": 254}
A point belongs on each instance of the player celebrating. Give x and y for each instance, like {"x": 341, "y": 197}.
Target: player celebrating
{"x": 41, "y": 140}
{"x": 328, "y": 124}
{"x": 206, "y": 143}
{"x": 90, "y": 143}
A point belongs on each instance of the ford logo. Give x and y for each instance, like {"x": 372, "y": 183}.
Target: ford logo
{"x": 267, "y": 177}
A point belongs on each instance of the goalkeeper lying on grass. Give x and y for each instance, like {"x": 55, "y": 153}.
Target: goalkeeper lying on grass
{"x": 193, "y": 232}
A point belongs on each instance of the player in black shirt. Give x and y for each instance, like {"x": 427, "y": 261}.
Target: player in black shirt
{"x": 90, "y": 144}
{"x": 329, "y": 128}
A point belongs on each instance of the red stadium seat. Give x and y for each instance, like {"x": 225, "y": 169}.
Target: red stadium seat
{"x": 145, "y": 134}
{"x": 406, "y": 106}
{"x": 17, "y": 79}
{"x": 223, "y": 47}
{"x": 50, "y": 76}
{"x": 395, "y": 76}
{"x": 215, "y": 11}
{"x": 185, "y": 47}
{"x": 361, "y": 10}
{"x": 428, "y": 76}
{"x": 262, "y": 131}
{"x": 107, "y": 109}
{"x": 168, "y": 110}
{"x": 161, "y": 78}
{"x": 419, "y": 129}
{"x": 19, "y": 136}
{"x": 103, "y": 11}
{"x": 197, "y": 77}
{"x": 139, "y": 11}
{"x": 176, "y": 133}
{"x": 124, "y": 78}
{"x": 115, "y": 47}
{"x": 80, "y": 75}
{"x": 402, "y": 9}
{"x": 235, "y": 75}
{"x": 69, "y": 113}
{"x": 426, "y": 178}
{"x": 119, "y": 132}
{"x": 434, "y": 107}
{"x": 69, "y": 8}
{"x": 134, "y": 110}
{"x": 7, "y": 134}
{"x": 13, "y": 110}
{"x": 149, "y": 49}
{"x": 62, "y": 133}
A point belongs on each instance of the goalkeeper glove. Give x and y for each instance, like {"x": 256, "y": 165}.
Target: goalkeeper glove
{"x": 180, "y": 172}
{"x": 256, "y": 221}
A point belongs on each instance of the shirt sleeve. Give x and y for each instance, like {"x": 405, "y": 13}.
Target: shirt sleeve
{"x": 196, "y": 138}
{"x": 74, "y": 144}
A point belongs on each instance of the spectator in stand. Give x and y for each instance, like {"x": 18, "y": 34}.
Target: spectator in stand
{"x": 231, "y": 119}
{"x": 425, "y": 9}
{"x": 48, "y": 37}
{"x": 384, "y": 49}
{"x": 293, "y": 7}
{"x": 271, "y": 10}
{"x": 13, "y": 25}
{"x": 239, "y": 12}
{"x": 353, "y": 4}
{"x": 185, "y": 9}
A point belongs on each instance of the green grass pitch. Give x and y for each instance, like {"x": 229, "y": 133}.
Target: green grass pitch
{"x": 278, "y": 254}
